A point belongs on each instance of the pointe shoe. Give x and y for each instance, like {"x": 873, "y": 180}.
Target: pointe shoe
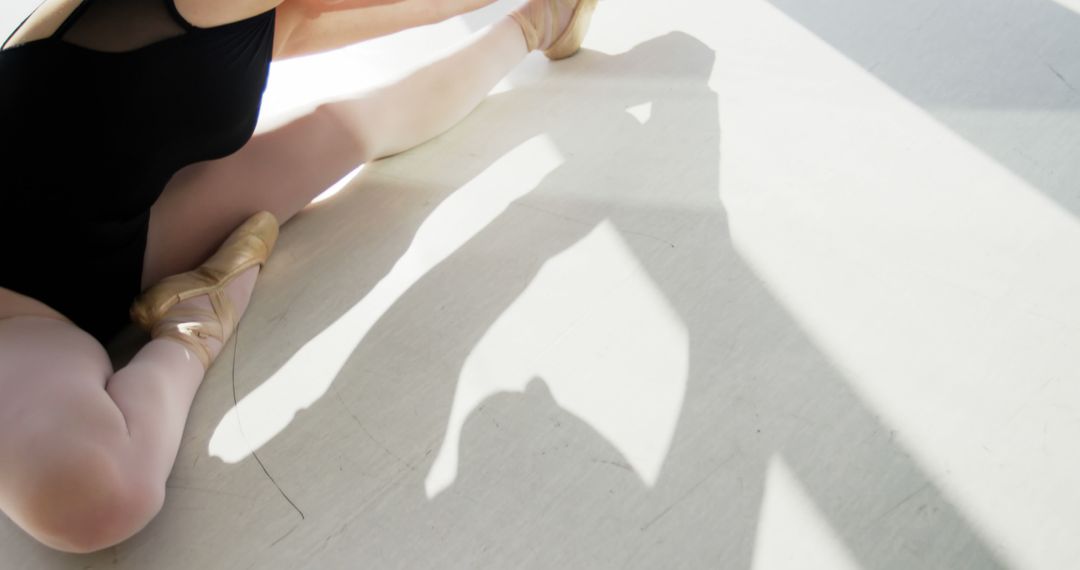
{"x": 249, "y": 245}
{"x": 534, "y": 18}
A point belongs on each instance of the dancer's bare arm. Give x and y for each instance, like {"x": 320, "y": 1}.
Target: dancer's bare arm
{"x": 311, "y": 26}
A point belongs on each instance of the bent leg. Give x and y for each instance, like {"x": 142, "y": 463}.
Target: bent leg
{"x": 85, "y": 452}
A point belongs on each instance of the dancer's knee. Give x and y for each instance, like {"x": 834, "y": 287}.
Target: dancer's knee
{"x": 85, "y": 500}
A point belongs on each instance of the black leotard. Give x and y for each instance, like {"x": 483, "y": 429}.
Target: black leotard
{"x": 94, "y": 121}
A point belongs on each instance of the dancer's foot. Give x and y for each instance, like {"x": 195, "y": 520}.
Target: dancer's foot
{"x": 555, "y": 26}
{"x": 238, "y": 292}
{"x": 199, "y": 309}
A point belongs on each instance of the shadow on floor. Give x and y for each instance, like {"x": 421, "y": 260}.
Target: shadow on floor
{"x": 557, "y": 493}
{"x": 1004, "y": 75}
{"x": 539, "y": 487}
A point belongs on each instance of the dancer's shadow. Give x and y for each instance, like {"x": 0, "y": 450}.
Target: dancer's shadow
{"x": 538, "y": 485}
{"x": 757, "y": 388}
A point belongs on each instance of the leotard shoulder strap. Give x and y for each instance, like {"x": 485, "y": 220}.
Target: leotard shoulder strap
{"x": 19, "y": 27}
{"x": 72, "y": 18}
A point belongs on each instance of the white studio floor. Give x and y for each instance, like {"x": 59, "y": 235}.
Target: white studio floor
{"x": 748, "y": 284}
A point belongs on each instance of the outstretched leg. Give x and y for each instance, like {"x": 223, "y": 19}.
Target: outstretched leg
{"x": 284, "y": 169}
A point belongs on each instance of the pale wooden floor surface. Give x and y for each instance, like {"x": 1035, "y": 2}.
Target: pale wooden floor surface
{"x": 752, "y": 284}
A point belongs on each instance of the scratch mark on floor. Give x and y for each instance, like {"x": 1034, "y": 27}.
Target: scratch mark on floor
{"x": 896, "y": 506}
{"x": 282, "y": 537}
{"x": 689, "y": 492}
{"x": 236, "y": 405}
{"x": 364, "y": 429}
{"x": 341, "y": 530}
{"x": 485, "y": 413}
{"x": 1062, "y": 78}
{"x": 618, "y": 464}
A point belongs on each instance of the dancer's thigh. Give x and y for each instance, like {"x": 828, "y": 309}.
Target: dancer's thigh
{"x": 53, "y": 407}
{"x": 46, "y": 364}
{"x": 279, "y": 171}
{"x": 44, "y": 354}
{"x": 13, "y": 304}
